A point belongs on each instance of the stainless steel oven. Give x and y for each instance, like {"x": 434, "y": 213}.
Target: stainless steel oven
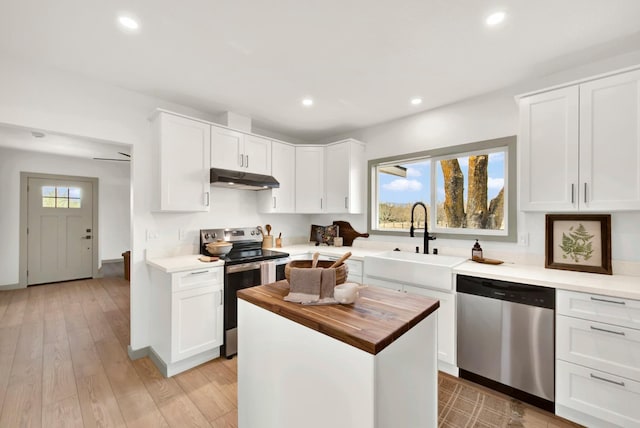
{"x": 241, "y": 276}
{"x": 246, "y": 265}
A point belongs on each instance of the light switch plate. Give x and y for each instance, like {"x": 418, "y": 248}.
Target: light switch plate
{"x": 523, "y": 239}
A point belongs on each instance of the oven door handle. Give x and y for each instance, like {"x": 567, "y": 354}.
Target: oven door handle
{"x": 243, "y": 267}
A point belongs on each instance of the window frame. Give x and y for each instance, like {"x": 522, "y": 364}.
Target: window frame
{"x": 510, "y": 232}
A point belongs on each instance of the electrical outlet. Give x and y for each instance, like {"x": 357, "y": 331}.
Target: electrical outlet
{"x": 152, "y": 234}
{"x": 523, "y": 239}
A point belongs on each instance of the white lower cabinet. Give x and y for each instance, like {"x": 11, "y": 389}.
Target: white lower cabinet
{"x": 446, "y": 318}
{"x": 597, "y": 360}
{"x": 594, "y": 398}
{"x": 187, "y": 318}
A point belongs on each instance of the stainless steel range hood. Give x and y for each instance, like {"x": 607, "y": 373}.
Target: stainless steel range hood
{"x": 241, "y": 180}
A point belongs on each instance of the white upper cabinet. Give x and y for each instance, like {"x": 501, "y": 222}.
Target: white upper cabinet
{"x": 257, "y": 154}
{"x": 310, "y": 194}
{"x": 549, "y": 151}
{"x": 344, "y": 177}
{"x": 282, "y": 199}
{"x": 580, "y": 147}
{"x": 610, "y": 143}
{"x": 240, "y": 152}
{"x": 181, "y": 163}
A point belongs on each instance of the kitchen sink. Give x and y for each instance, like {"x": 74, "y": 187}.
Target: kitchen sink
{"x": 421, "y": 270}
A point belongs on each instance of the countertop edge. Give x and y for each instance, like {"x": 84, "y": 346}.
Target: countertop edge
{"x": 621, "y": 286}
{"x": 181, "y": 263}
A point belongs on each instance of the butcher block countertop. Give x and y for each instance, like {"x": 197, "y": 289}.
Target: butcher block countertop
{"x": 377, "y": 318}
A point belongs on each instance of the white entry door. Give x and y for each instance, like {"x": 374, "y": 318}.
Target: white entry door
{"x": 60, "y": 230}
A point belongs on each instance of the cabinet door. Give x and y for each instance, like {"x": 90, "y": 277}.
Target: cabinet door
{"x": 226, "y": 148}
{"x": 310, "y": 179}
{"x": 337, "y": 177}
{"x": 597, "y": 395}
{"x": 548, "y": 151}
{"x": 610, "y": 143}
{"x": 282, "y": 199}
{"x": 257, "y": 155}
{"x": 446, "y": 322}
{"x": 196, "y": 323}
{"x": 183, "y": 163}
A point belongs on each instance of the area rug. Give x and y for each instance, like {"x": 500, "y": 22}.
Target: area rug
{"x": 461, "y": 404}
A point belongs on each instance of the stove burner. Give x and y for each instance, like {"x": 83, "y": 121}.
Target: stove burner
{"x": 247, "y": 245}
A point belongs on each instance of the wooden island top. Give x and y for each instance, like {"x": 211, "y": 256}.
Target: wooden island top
{"x": 377, "y": 318}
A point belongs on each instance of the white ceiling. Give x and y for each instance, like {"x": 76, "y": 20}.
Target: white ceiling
{"x": 361, "y": 60}
{"x": 64, "y": 145}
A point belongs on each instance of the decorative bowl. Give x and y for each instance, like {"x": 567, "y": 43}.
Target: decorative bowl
{"x": 346, "y": 293}
{"x": 219, "y": 248}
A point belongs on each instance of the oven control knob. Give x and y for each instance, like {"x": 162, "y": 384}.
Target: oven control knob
{"x": 253, "y": 232}
{"x": 207, "y": 236}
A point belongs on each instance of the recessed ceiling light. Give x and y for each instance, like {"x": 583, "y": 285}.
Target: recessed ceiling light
{"x": 231, "y": 183}
{"x": 416, "y": 101}
{"x": 307, "y": 102}
{"x": 128, "y": 23}
{"x": 495, "y": 18}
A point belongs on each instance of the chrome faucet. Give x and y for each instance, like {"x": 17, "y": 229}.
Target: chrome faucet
{"x": 412, "y": 229}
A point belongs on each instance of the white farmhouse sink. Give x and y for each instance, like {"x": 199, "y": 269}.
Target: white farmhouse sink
{"x": 421, "y": 270}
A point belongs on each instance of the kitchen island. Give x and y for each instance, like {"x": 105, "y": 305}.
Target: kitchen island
{"x": 372, "y": 364}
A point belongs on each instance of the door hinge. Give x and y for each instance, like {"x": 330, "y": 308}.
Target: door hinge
{"x": 27, "y": 230}
{"x": 27, "y": 272}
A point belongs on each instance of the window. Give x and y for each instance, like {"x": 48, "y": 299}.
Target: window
{"x": 467, "y": 190}
{"x": 61, "y": 197}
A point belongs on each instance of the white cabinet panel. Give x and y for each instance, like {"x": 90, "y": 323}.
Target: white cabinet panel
{"x": 240, "y": 152}
{"x": 257, "y": 155}
{"x": 181, "y": 163}
{"x": 226, "y": 146}
{"x": 610, "y": 143}
{"x": 598, "y": 355}
{"x": 611, "y": 310}
{"x": 197, "y": 317}
{"x": 282, "y": 199}
{"x": 344, "y": 177}
{"x": 186, "y": 317}
{"x": 310, "y": 194}
{"x": 549, "y": 150}
{"x": 604, "y": 347}
{"x": 446, "y": 322}
{"x": 580, "y": 147}
{"x": 602, "y": 398}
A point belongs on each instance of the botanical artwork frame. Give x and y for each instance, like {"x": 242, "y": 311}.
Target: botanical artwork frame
{"x": 578, "y": 242}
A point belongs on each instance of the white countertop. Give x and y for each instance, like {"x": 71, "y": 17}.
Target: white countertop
{"x": 623, "y": 286}
{"x": 325, "y": 250}
{"x": 181, "y": 263}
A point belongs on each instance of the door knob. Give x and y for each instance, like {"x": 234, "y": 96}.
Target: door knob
{"x": 87, "y": 237}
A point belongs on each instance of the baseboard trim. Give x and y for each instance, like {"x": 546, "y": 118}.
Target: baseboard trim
{"x": 12, "y": 287}
{"x": 136, "y": 354}
{"x": 448, "y": 368}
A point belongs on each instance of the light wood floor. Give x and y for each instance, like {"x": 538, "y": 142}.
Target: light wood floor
{"x": 63, "y": 363}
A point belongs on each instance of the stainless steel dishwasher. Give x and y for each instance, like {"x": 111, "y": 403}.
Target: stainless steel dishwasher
{"x": 506, "y": 338}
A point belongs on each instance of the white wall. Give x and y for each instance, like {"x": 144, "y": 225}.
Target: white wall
{"x": 490, "y": 116}
{"x": 49, "y": 99}
{"x": 113, "y": 191}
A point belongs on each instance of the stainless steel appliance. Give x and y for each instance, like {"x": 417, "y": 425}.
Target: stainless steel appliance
{"x": 246, "y": 265}
{"x": 506, "y": 338}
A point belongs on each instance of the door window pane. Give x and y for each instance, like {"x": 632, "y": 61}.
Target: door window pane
{"x": 61, "y": 197}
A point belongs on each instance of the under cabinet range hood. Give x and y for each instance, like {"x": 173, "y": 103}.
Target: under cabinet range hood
{"x": 241, "y": 180}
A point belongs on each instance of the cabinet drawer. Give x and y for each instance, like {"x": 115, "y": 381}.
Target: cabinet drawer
{"x": 606, "y": 347}
{"x": 197, "y": 278}
{"x": 611, "y": 310}
{"x": 601, "y": 395}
